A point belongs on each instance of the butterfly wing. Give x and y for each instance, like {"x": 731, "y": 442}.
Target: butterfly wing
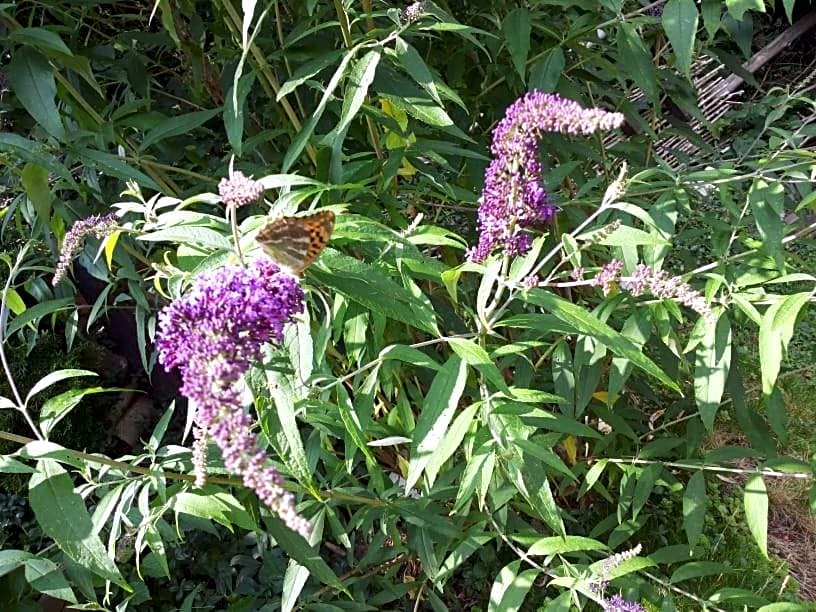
{"x": 295, "y": 242}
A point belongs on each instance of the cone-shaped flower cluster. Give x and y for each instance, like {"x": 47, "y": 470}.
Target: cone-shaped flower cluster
{"x": 213, "y": 334}
{"x": 239, "y": 190}
{"x": 98, "y": 226}
{"x": 414, "y": 11}
{"x": 513, "y": 197}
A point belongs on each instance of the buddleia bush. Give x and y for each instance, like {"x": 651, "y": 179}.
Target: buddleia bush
{"x": 436, "y": 342}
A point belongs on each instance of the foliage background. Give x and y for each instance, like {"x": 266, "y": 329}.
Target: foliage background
{"x": 343, "y": 104}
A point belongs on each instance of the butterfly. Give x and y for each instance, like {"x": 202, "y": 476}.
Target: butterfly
{"x": 295, "y": 242}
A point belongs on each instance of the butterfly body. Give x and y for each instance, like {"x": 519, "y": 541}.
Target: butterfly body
{"x": 296, "y": 242}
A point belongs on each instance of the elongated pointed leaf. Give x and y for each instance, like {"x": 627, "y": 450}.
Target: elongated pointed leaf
{"x": 680, "y": 19}
{"x": 775, "y": 333}
{"x": 438, "y": 409}
{"x": 510, "y": 588}
{"x": 636, "y": 60}
{"x": 711, "y": 365}
{"x": 694, "y": 507}
{"x": 32, "y": 81}
{"x": 300, "y": 141}
{"x": 62, "y": 516}
{"x": 756, "y": 511}
{"x": 579, "y": 319}
{"x": 516, "y": 28}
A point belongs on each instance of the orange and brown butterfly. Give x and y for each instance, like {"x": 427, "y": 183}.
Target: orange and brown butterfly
{"x": 295, "y": 242}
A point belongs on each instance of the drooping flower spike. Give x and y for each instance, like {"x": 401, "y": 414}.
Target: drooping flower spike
{"x": 98, "y": 226}
{"x": 212, "y": 334}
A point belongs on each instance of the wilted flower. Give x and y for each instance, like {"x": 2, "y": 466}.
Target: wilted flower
{"x": 212, "y": 334}
{"x": 98, "y": 226}
{"x": 513, "y": 197}
{"x": 239, "y": 190}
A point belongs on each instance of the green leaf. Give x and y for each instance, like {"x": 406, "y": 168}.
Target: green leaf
{"x": 680, "y": 23}
{"x": 475, "y": 356}
{"x": 116, "y": 167}
{"x": 784, "y": 606}
{"x": 626, "y": 236}
{"x": 636, "y": 60}
{"x": 45, "y": 577}
{"x": 408, "y": 354}
{"x": 477, "y": 476}
{"x": 178, "y": 125}
{"x": 438, "y": 409}
{"x": 298, "y": 549}
{"x": 465, "y": 549}
{"x": 14, "y": 302}
{"x": 711, "y": 365}
{"x": 694, "y": 507}
{"x": 546, "y": 456}
{"x": 57, "y": 408}
{"x": 296, "y": 575}
{"x": 42, "y": 39}
{"x": 556, "y": 545}
{"x": 450, "y": 443}
{"x": 427, "y": 111}
{"x": 737, "y": 8}
{"x": 38, "y": 311}
{"x": 536, "y": 417}
{"x": 55, "y": 377}
{"x": 643, "y": 489}
{"x": 788, "y": 4}
{"x": 300, "y": 141}
{"x": 579, "y": 319}
{"x": 10, "y": 560}
{"x": 696, "y": 569}
{"x": 307, "y": 71}
{"x": 366, "y": 285}
{"x": 510, "y": 588}
{"x": 712, "y": 16}
{"x": 547, "y": 71}
{"x": 234, "y": 111}
{"x": 410, "y": 59}
{"x": 32, "y": 81}
{"x": 775, "y": 333}
{"x": 359, "y": 80}
{"x": 767, "y": 205}
{"x": 516, "y": 28}
{"x": 755, "y": 499}
{"x": 192, "y": 235}
{"x": 38, "y": 190}
{"x": 32, "y": 152}
{"x": 62, "y": 516}
{"x": 9, "y": 465}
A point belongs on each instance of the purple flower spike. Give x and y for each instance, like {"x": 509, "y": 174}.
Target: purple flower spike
{"x": 212, "y": 335}
{"x": 513, "y": 197}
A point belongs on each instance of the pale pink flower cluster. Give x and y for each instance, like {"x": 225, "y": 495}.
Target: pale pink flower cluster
{"x": 239, "y": 190}
{"x": 656, "y": 282}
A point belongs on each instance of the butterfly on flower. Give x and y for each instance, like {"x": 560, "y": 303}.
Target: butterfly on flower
{"x": 295, "y": 242}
